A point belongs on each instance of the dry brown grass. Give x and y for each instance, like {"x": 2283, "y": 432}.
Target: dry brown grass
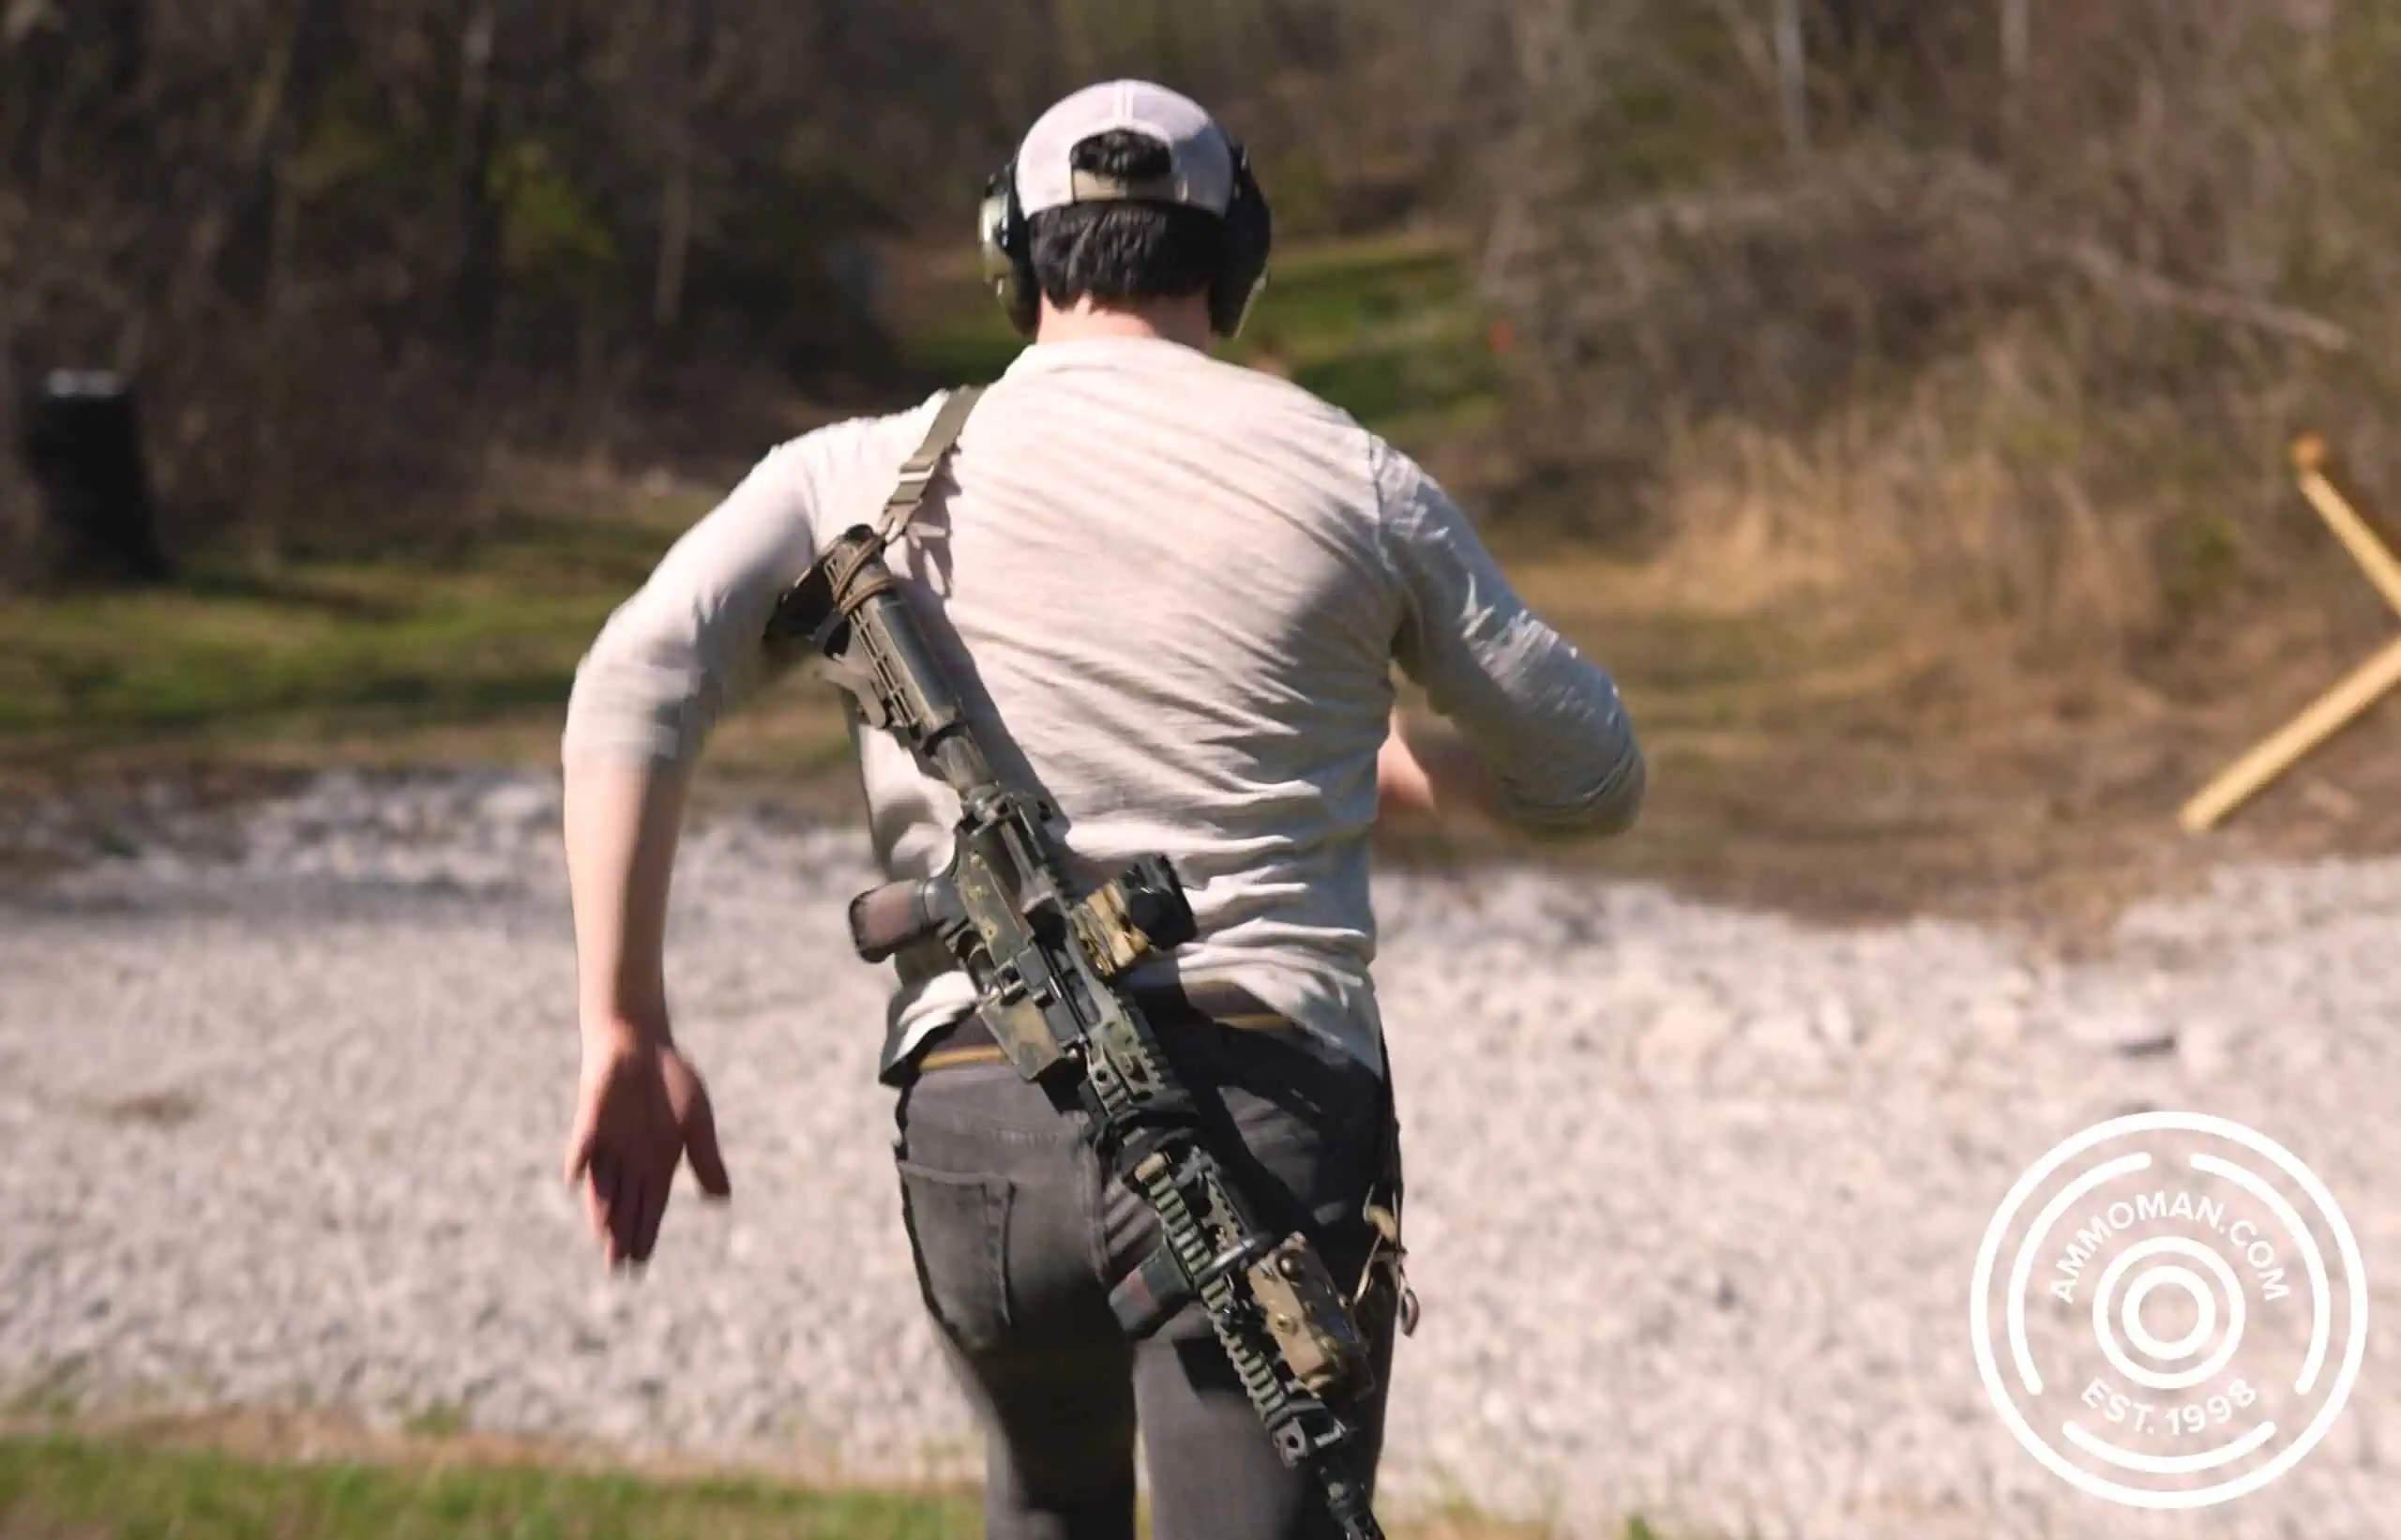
{"x": 1810, "y": 755}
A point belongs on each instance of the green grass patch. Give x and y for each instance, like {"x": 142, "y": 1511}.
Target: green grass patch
{"x": 70, "y": 1488}
{"x": 1388, "y": 329}
{"x": 327, "y": 647}
{"x": 126, "y": 1486}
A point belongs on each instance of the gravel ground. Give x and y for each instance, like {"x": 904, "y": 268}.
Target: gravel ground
{"x": 1695, "y": 1194}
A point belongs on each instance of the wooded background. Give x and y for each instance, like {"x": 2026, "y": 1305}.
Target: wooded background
{"x": 342, "y": 243}
{"x": 2006, "y": 307}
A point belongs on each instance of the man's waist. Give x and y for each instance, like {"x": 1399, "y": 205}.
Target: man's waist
{"x": 1330, "y": 998}
{"x": 1218, "y": 1002}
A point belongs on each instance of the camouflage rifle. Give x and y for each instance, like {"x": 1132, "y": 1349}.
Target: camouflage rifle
{"x": 1049, "y": 972}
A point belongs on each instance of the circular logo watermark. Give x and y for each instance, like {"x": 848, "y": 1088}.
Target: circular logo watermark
{"x": 2168, "y": 1310}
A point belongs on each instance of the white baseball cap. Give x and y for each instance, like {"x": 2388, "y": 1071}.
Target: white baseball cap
{"x": 1202, "y": 169}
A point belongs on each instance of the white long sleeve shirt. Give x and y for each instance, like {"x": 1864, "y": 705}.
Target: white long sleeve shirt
{"x": 1171, "y": 591}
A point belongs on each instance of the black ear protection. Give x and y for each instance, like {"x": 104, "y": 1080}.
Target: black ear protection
{"x": 1008, "y": 252}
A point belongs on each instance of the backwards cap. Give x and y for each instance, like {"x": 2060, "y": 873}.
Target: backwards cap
{"x": 1201, "y": 171}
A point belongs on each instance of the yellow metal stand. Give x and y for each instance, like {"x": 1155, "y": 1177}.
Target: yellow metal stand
{"x": 2338, "y": 707}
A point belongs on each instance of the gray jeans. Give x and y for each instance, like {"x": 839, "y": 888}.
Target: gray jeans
{"x": 1018, "y": 1235}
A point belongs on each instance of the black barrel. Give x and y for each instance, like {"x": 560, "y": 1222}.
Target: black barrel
{"x": 82, "y": 440}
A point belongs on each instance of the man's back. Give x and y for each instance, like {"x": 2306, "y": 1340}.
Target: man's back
{"x": 1165, "y": 575}
{"x": 1173, "y": 590}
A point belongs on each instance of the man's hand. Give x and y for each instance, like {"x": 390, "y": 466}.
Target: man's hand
{"x": 640, "y": 1110}
{"x": 1403, "y": 789}
{"x": 1433, "y": 777}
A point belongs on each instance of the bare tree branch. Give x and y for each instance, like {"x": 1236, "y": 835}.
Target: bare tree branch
{"x": 2120, "y": 278}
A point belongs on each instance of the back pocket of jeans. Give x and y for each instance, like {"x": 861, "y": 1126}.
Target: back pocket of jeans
{"x": 959, "y": 1228}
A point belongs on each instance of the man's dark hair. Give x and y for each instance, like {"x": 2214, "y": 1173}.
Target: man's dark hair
{"x": 1122, "y": 251}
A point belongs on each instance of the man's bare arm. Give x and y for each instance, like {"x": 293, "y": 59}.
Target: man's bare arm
{"x": 623, "y": 822}
{"x": 641, "y": 1108}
